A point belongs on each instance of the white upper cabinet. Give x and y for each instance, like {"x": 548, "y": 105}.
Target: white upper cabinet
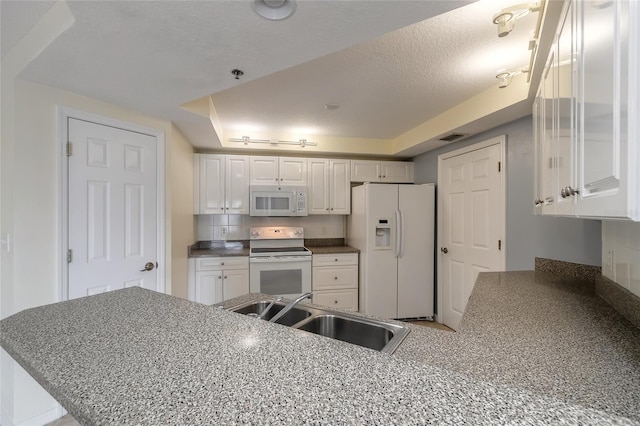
{"x": 221, "y": 184}
{"x": 586, "y": 114}
{"x": 329, "y": 186}
{"x": 381, "y": 171}
{"x": 278, "y": 170}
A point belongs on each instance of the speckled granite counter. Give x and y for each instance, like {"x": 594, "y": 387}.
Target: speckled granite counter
{"x": 137, "y": 357}
{"x": 219, "y": 249}
{"x": 333, "y": 249}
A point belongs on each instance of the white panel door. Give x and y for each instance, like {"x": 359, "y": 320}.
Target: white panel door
{"x": 340, "y": 186}
{"x": 471, "y": 221}
{"x": 235, "y": 283}
{"x": 237, "y": 184}
{"x": 318, "y": 195}
{"x": 263, "y": 170}
{"x": 112, "y": 209}
{"x": 293, "y": 171}
{"x": 212, "y": 184}
{"x": 209, "y": 287}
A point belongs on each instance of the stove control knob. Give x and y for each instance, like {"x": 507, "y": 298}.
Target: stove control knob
{"x": 255, "y": 233}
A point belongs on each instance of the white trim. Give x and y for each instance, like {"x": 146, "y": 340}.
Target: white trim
{"x": 498, "y": 140}
{"x": 41, "y": 419}
{"x": 64, "y": 113}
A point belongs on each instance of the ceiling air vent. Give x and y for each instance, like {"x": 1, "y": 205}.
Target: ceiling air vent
{"x": 453, "y": 136}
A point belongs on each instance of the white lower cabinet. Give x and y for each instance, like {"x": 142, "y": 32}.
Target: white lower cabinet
{"x": 216, "y": 279}
{"x": 335, "y": 280}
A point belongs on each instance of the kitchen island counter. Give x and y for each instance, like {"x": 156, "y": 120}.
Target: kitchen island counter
{"x": 136, "y": 356}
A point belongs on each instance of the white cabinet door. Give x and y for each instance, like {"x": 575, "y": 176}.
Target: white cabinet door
{"x": 293, "y": 171}
{"x": 396, "y": 171}
{"x": 340, "y": 186}
{"x": 237, "y": 184}
{"x": 565, "y": 96}
{"x": 604, "y": 99}
{"x": 208, "y": 287}
{"x": 263, "y": 170}
{"x": 211, "y": 183}
{"x": 235, "y": 283}
{"x": 365, "y": 171}
{"x": 318, "y": 194}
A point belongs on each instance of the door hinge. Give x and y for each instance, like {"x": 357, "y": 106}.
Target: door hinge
{"x": 499, "y": 244}
{"x": 69, "y": 255}
{"x": 69, "y": 149}
{"x": 499, "y": 166}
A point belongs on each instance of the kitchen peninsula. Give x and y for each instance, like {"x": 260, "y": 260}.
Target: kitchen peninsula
{"x": 532, "y": 349}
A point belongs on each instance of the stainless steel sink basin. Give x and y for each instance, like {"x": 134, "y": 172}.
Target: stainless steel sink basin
{"x": 384, "y": 336}
{"x": 292, "y": 317}
{"x": 370, "y": 334}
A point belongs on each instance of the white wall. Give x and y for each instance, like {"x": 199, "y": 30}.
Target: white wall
{"x": 210, "y": 227}
{"x": 528, "y": 236}
{"x": 180, "y": 174}
{"x": 621, "y": 254}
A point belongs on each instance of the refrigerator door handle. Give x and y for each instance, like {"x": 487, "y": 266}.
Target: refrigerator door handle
{"x": 398, "y": 233}
{"x": 401, "y": 232}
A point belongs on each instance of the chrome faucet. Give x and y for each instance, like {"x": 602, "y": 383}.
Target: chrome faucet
{"x": 290, "y": 306}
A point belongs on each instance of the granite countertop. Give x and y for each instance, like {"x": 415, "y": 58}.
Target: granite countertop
{"x": 241, "y": 248}
{"x": 530, "y": 350}
{"x": 333, "y": 249}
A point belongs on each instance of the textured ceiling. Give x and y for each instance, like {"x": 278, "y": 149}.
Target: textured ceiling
{"x": 387, "y": 74}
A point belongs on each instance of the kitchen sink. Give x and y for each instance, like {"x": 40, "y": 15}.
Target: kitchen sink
{"x": 380, "y": 335}
{"x": 292, "y": 317}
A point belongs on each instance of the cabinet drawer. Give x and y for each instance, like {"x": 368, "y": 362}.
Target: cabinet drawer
{"x": 337, "y": 277}
{"x": 231, "y": 262}
{"x": 342, "y": 299}
{"x": 335, "y": 259}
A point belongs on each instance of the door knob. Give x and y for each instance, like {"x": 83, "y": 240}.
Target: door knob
{"x": 444, "y": 250}
{"x": 148, "y": 267}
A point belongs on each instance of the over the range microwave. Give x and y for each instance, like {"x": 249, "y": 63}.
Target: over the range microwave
{"x": 278, "y": 200}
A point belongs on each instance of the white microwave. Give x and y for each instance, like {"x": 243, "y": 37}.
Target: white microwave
{"x": 278, "y": 200}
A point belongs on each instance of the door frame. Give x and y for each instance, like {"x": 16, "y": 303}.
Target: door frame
{"x": 498, "y": 140}
{"x": 63, "y": 115}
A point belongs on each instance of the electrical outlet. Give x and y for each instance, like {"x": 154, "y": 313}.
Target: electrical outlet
{"x": 223, "y": 231}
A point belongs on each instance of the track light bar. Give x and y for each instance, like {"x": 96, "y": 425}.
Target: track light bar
{"x": 247, "y": 140}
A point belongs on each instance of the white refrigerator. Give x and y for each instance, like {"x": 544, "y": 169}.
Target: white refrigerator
{"x": 393, "y": 227}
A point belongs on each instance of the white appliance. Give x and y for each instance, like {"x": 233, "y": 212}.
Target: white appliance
{"x": 279, "y": 263}
{"x": 268, "y": 200}
{"x": 393, "y": 227}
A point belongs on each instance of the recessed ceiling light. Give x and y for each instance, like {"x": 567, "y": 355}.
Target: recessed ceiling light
{"x": 332, "y": 107}
{"x": 274, "y": 10}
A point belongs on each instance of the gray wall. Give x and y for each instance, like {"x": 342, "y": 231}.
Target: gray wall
{"x": 528, "y": 236}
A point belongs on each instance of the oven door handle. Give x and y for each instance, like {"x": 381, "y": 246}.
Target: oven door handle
{"x": 278, "y": 259}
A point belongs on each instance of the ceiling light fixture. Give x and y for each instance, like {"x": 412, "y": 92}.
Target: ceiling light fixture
{"x": 247, "y": 140}
{"x": 274, "y": 10}
{"x": 505, "y": 77}
{"x": 332, "y": 107}
{"x": 506, "y": 18}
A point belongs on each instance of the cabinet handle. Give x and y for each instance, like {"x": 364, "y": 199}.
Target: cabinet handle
{"x": 331, "y": 208}
{"x": 327, "y": 208}
{"x": 335, "y": 302}
{"x": 225, "y": 277}
{"x": 538, "y": 201}
{"x": 444, "y": 250}
{"x": 221, "y": 263}
{"x": 335, "y": 260}
{"x": 335, "y": 278}
{"x": 219, "y": 277}
{"x": 568, "y": 191}
{"x": 221, "y": 208}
